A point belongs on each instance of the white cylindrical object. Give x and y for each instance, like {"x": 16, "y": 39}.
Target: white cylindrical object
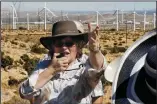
{"x": 27, "y": 21}
{"x": 144, "y": 27}
{"x": 13, "y": 17}
{"x": 154, "y": 20}
{"x": 122, "y": 17}
{"x": 117, "y": 21}
{"x": 134, "y": 22}
{"x": 1, "y": 22}
{"x": 97, "y": 18}
{"x": 45, "y": 16}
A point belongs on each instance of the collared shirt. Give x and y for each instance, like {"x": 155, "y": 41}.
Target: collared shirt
{"x": 69, "y": 87}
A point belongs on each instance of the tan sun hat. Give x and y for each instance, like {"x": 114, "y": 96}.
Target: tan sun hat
{"x": 65, "y": 28}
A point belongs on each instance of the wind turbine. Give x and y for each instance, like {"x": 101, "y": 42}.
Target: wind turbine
{"x": 65, "y": 15}
{"x": 97, "y": 18}
{"x": 154, "y": 20}
{"x": 46, "y": 10}
{"x": 144, "y": 27}
{"x": 14, "y": 16}
{"x": 117, "y": 20}
{"x": 134, "y": 18}
{"x": 98, "y": 13}
{"x": 27, "y": 21}
{"x": 122, "y": 16}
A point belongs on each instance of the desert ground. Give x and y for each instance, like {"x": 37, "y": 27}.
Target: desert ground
{"x": 21, "y": 49}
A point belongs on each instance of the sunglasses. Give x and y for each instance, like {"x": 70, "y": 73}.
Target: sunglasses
{"x": 66, "y": 43}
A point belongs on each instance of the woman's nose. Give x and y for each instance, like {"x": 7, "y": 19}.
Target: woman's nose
{"x": 64, "y": 47}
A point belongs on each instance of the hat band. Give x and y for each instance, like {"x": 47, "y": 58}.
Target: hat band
{"x": 64, "y": 32}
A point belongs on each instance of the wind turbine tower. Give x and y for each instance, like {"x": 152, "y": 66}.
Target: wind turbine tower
{"x": 14, "y": 16}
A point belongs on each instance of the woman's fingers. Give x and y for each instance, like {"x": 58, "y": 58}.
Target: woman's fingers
{"x": 89, "y": 27}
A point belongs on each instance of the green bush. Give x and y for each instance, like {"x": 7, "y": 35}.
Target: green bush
{"x": 2, "y": 54}
{"x": 114, "y": 44}
{"x": 114, "y": 49}
{"x": 30, "y": 65}
{"x": 14, "y": 42}
{"x": 117, "y": 49}
{"x": 13, "y": 81}
{"x": 134, "y": 39}
{"x": 25, "y": 57}
{"x": 6, "y": 61}
{"x": 104, "y": 52}
{"x": 112, "y": 29}
{"x": 36, "y": 49}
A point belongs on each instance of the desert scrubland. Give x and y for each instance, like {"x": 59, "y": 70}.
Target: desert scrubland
{"x": 21, "y": 50}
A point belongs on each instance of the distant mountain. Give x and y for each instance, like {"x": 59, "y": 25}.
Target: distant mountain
{"x": 149, "y": 12}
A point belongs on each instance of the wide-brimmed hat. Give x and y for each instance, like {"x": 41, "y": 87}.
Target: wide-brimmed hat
{"x": 134, "y": 80}
{"x": 65, "y": 28}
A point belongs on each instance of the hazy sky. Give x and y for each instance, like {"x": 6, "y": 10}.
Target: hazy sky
{"x": 81, "y": 6}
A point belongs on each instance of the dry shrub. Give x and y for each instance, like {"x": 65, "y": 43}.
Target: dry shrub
{"x": 36, "y": 49}
{"x": 134, "y": 39}
{"x": 29, "y": 64}
{"x": 106, "y": 45}
{"x": 114, "y": 49}
{"x": 120, "y": 44}
{"x": 6, "y": 61}
{"x": 25, "y": 57}
{"x": 120, "y": 39}
{"x": 12, "y": 81}
{"x": 22, "y": 45}
{"x": 112, "y": 29}
{"x": 117, "y": 49}
{"x": 22, "y": 28}
{"x": 14, "y": 42}
{"x": 104, "y": 37}
{"x": 104, "y": 52}
{"x": 114, "y": 44}
{"x": 122, "y": 49}
{"x": 123, "y": 41}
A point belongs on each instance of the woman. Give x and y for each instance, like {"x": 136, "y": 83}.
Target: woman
{"x": 65, "y": 75}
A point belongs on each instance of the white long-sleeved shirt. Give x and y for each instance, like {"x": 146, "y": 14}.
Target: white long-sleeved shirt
{"x": 68, "y": 87}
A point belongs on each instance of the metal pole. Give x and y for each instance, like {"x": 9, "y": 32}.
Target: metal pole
{"x": 134, "y": 22}
{"x": 38, "y": 20}
{"x": 45, "y": 17}
{"x": 78, "y": 17}
{"x": 126, "y": 30}
{"x": 117, "y": 21}
{"x": 97, "y": 18}
{"x": 144, "y": 27}
{"x": 122, "y": 17}
{"x": 62, "y": 15}
{"x": 9, "y": 20}
{"x": 13, "y": 17}
{"x": 27, "y": 21}
{"x": 1, "y": 24}
{"x": 154, "y": 20}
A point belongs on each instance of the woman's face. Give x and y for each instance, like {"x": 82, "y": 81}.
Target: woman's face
{"x": 66, "y": 46}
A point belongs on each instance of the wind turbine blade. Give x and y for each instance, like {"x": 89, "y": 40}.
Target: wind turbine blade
{"x": 51, "y": 12}
{"x": 115, "y": 12}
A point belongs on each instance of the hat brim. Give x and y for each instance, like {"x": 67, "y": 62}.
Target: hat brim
{"x": 111, "y": 69}
{"x": 121, "y": 90}
{"x": 47, "y": 41}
